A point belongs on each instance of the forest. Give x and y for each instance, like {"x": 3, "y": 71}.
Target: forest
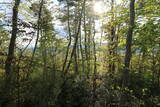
{"x": 79, "y": 53}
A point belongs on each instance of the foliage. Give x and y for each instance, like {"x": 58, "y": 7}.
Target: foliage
{"x": 79, "y": 57}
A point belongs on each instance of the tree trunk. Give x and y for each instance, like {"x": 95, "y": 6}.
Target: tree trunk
{"x": 38, "y": 29}
{"x": 86, "y": 41}
{"x": 111, "y": 65}
{"x": 95, "y": 71}
{"x": 128, "y": 51}
{"x": 129, "y": 43}
{"x": 70, "y": 38}
{"x": 10, "y": 57}
{"x": 82, "y": 55}
{"x": 76, "y": 40}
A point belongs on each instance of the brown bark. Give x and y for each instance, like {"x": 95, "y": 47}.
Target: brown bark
{"x": 86, "y": 41}
{"x": 95, "y": 70}
{"x": 10, "y": 57}
{"x": 111, "y": 65}
{"x": 76, "y": 40}
{"x": 70, "y": 38}
{"x": 38, "y": 29}
{"x": 112, "y": 38}
{"x": 128, "y": 52}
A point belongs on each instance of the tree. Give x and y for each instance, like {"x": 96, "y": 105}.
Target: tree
{"x": 38, "y": 29}
{"x": 10, "y": 57}
{"x": 128, "y": 52}
{"x": 129, "y": 42}
{"x": 62, "y": 49}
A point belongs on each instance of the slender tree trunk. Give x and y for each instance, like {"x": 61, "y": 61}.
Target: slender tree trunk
{"x": 76, "y": 59}
{"x": 88, "y": 59}
{"x": 86, "y": 43}
{"x": 82, "y": 55}
{"x": 10, "y": 57}
{"x": 38, "y": 29}
{"x": 153, "y": 68}
{"x": 76, "y": 40}
{"x": 76, "y": 53}
{"x": 70, "y": 38}
{"x": 128, "y": 51}
{"x": 129, "y": 43}
{"x": 158, "y": 77}
{"x": 44, "y": 53}
{"x": 71, "y": 56}
{"x": 95, "y": 70}
{"x": 111, "y": 66}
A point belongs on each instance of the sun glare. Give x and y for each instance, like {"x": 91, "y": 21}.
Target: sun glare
{"x": 98, "y": 7}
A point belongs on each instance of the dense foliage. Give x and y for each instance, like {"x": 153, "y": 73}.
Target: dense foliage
{"x": 69, "y": 53}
